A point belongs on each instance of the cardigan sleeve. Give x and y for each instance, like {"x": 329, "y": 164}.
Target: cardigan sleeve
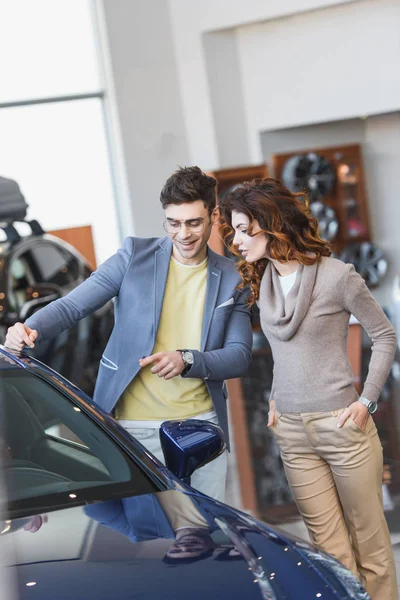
{"x": 359, "y": 301}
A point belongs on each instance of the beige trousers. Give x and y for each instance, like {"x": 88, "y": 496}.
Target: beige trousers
{"x": 335, "y": 475}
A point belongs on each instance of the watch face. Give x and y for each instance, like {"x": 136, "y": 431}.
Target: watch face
{"x": 372, "y": 407}
{"x": 188, "y": 357}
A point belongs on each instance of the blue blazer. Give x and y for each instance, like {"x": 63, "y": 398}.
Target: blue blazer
{"x": 136, "y": 277}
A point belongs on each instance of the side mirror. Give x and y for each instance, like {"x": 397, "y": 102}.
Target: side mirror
{"x": 189, "y": 445}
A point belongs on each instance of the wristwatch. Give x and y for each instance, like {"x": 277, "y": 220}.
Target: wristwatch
{"x": 188, "y": 360}
{"x": 372, "y": 406}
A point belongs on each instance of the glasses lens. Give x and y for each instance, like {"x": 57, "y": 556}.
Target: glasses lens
{"x": 196, "y": 227}
{"x": 170, "y": 227}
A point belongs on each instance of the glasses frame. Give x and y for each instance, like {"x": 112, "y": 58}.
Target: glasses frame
{"x": 195, "y": 229}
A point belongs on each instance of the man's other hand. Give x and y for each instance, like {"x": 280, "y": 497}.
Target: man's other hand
{"x": 166, "y": 364}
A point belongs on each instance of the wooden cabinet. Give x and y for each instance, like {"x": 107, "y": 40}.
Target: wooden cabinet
{"x": 81, "y": 238}
{"x": 347, "y": 196}
{"x": 227, "y": 179}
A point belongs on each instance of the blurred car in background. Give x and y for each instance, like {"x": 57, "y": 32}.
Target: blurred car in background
{"x": 37, "y": 268}
{"x": 92, "y": 515}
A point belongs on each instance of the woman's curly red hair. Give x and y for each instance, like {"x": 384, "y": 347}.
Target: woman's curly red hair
{"x": 291, "y": 232}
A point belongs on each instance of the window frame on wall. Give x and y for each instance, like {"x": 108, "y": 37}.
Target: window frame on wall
{"x": 100, "y": 89}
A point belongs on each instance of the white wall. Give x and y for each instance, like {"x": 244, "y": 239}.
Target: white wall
{"x": 190, "y": 21}
{"x": 382, "y": 161}
{"x": 324, "y": 65}
{"x": 58, "y": 154}
{"x": 226, "y": 94}
{"x": 148, "y": 103}
{"x": 346, "y": 52}
{"x": 210, "y": 15}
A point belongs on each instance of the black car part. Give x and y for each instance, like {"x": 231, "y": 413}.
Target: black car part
{"x": 37, "y": 268}
{"x": 328, "y": 224}
{"x": 13, "y": 205}
{"x": 368, "y": 260}
{"x": 13, "y": 208}
{"x": 309, "y": 173}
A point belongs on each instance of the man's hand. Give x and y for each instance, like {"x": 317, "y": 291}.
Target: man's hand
{"x": 357, "y": 412}
{"x": 272, "y": 416}
{"x": 19, "y": 335}
{"x": 166, "y": 364}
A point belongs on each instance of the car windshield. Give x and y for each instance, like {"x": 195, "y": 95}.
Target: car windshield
{"x": 54, "y": 454}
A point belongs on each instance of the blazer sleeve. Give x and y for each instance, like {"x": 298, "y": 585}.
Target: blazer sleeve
{"x": 360, "y": 302}
{"x": 94, "y": 292}
{"x": 234, "y": 358}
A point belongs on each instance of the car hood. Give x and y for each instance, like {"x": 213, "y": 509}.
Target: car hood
{"x": 121, "y": 549}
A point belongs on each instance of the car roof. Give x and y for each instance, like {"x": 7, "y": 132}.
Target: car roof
{"x": 13, "y": 359}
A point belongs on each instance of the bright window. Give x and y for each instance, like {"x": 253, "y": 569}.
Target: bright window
{"x": 48, "y": 48}
{"x": 52, "y": 128}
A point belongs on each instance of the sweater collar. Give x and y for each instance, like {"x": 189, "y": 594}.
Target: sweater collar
{"x": 283, "y": 318}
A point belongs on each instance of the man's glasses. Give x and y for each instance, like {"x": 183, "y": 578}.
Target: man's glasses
{"x": 194, "y": 225}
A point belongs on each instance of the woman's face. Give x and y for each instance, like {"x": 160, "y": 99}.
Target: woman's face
{"x": 253, "y": 247}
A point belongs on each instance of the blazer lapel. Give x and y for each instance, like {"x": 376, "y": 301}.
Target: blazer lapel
{"x": 162, "y": 260}
{"x": 214, "y": 274}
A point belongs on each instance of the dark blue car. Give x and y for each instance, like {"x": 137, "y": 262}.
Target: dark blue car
{"x": 93, "y": 516}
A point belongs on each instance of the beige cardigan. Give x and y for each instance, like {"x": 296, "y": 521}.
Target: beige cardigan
{"x": 308, "y": 336}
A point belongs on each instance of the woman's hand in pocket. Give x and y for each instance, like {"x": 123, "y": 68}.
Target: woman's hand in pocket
{"x": 272, "y": 414}
{"x": 357, "y": 413}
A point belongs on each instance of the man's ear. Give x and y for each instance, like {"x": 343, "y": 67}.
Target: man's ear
{"x": 215, "y": 215}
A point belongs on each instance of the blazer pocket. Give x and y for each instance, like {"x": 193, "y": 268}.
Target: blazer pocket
{"x": 227, "y": 303}
{"x": 109, "y": 364}
{"x": 223, "y": 310}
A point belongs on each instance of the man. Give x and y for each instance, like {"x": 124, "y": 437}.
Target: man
{"x": 181, "y": 325}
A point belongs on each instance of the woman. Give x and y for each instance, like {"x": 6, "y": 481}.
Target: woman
{"x": 328, "y": 441}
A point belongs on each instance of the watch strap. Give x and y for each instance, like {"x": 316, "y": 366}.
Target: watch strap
{"x": 368, "y": 403}
{"x": 187, "y": 365}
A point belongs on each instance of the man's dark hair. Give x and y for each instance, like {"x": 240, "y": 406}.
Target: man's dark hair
{"x": 189, "y": 184}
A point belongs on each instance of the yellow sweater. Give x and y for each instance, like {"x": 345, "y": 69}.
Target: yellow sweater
{"x": 149, "y": 397}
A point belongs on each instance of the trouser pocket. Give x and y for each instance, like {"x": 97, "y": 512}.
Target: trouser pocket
{"x": 141, "y": 434}
{"x": 351, "y": 423}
